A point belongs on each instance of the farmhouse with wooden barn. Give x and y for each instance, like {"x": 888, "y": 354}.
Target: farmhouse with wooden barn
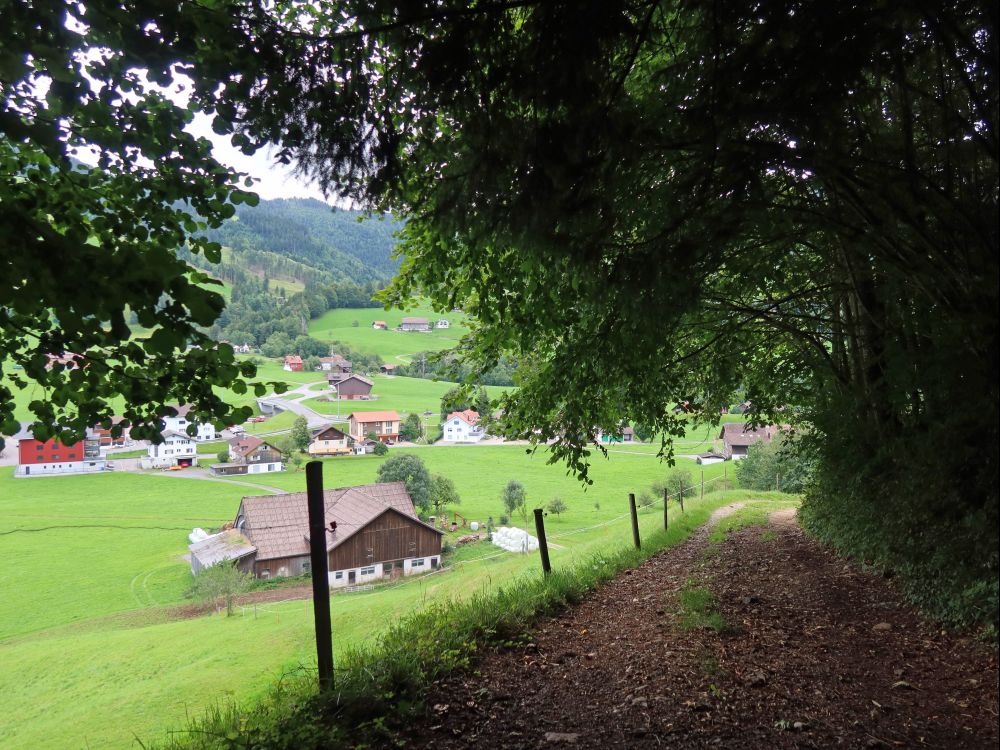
{"x": 250, "y": 455}
{"x": 329, "y": 441}
{"x": 379, "y": 325}
{"x": 293, "y": 363}
{"x": 415, "y": 324}
{"x": 335, "y": 363}
{"x": 737, "y": 438}
{"x": 388, "y": 369}
{"x": 385, "y": 425}
{"x": 350, "y": 387}
{"x": 372, "y": 533}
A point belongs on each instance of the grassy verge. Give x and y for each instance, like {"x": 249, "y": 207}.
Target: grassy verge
{"x": 381, "y": 684}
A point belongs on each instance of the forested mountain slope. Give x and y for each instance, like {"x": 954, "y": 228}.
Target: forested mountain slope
{"x": 333, "y": 242}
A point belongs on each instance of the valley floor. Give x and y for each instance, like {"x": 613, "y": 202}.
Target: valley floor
{"x": 758, "y": 637}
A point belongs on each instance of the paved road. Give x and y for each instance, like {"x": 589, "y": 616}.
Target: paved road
{"x": 205, "y": 477}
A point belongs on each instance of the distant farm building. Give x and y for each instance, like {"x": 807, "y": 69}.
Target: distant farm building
{"x": 372, "y": 533}
{"x": 384, "y": 424}
{"x": 415, "y": 324}
{"x": 388, "y": 369}
{"x": 442, "y": 324}
{"x": 293, "y": 363}
{"x": 350, "y": 387}
{"x": 737, "y": 438}
{"x": 335, "y": 364}
{"x": 627, "y": 436}
{"x": 379, "y": 325}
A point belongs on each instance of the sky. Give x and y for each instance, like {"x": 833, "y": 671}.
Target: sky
{"x": 273, "y": 180}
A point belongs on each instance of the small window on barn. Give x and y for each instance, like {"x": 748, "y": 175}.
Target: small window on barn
{"x": 419, "y": 563}
{"x": 265, "y": 573}
{"x": 339, "y": 575}
{"x": 387, "y": 567}
{"x": 367, "y": 571}
{"x": 306, "y": 566}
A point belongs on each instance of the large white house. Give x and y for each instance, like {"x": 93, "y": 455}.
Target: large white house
{"x": 463, "y": 427}
{"x": 177, "y": 449}
{"x": 180, "y": 423}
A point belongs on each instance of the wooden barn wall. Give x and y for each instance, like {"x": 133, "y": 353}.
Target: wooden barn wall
{"x": 292, "y": 565}
{"x": 391, "y": 536}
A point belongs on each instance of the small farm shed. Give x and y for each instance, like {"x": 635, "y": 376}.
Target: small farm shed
{"x": 228, "y": 545}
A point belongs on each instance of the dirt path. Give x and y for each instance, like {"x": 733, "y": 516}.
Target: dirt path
{"x": 814, "y": 653}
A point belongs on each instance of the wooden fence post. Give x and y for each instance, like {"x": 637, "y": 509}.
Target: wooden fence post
{"x": 320, "y": 574}
{"x": 666, "y": 519}
{"x": 543, "y": 545}
{"x": 635, "y": 520}
{"x": 680, "y": 496}
{"x": 702, "y": 484}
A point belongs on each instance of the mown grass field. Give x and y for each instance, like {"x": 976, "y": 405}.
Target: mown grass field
{"x": 392, "y": 346}
{"x": 404, "y": 395}
{"x": 99, "y": 597}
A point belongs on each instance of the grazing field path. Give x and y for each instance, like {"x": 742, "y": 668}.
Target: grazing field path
{"x": 206, "y": 477}
{"x": 793, "y": 647}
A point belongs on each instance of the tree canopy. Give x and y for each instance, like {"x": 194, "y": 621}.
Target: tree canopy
{"x": 405, "y": 467}
{"x": 85, "y": 247}
{"x": 640, "y": 202}
{"x": 647, "y": 203}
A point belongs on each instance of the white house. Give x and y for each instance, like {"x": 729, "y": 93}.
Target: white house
{"x": 442, "y": 324}
{"x": 180, "y": 423}
{"x": 177, "y": 449}
{"x": 463, "y": 427}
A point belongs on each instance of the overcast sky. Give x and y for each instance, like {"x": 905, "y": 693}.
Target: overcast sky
{"x": 273, "y": 180}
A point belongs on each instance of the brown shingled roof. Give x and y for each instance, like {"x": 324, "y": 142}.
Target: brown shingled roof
{"x": 241, "y": 446}
{"x": 738, "y": 434}
{"x": 278, "y": 525}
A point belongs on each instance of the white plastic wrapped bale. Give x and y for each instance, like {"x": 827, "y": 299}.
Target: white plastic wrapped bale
{"x": 197, "y": 535}
{"x": 514, "y": 540}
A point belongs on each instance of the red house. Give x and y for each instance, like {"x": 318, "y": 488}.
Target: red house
{"x": 293, "y": 363}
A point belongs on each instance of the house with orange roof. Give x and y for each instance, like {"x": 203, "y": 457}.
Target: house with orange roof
{"x": 463, "y": 427}
{"x": 384, "y": 424}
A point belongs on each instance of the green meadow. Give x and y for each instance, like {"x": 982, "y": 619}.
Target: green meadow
{"x": 404, "y": 395}
{"x": 391, "y": 345}
{"x": 96, "y": 571}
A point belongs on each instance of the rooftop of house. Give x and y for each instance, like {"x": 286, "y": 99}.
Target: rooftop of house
{"x": 468, "y": 416}
{"x": 374, "y": 416}
{"x": 416, "y": 321}
{"x": 738, "y": 434}
{"x": 328, "y": 428}
{"x": 279, "y": 524}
